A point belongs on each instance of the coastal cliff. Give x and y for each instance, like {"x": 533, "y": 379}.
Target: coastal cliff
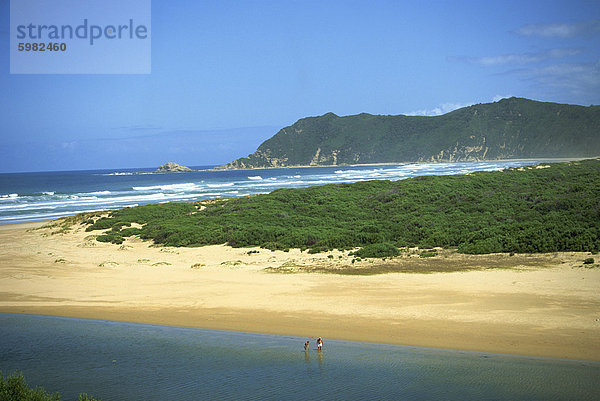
{"x": 509, "y": 128}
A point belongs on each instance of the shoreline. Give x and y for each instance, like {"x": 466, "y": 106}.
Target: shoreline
{"x": 453, "y": 338}
{"x": 545, "y": 160}
{"x": 161, "y": 323}
{"x": 548, "y": 160}
{"x": 544, "y": 305}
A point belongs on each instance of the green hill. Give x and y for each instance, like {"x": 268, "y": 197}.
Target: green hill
{"x": 510, "y": 128}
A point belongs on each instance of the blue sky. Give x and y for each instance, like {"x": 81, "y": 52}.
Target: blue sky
{"x": 228, "y": 75}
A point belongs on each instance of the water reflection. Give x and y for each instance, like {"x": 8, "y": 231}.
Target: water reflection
{"x": 320, "y": 358}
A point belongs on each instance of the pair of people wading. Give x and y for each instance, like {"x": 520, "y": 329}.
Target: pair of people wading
{"x": 319, "y": 344}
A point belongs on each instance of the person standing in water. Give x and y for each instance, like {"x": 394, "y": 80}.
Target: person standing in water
{"x": 319, "y": 343}
{"x": 306, "y": 345}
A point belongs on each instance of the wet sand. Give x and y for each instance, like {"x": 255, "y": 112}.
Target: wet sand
{"x": 540, "y": 305}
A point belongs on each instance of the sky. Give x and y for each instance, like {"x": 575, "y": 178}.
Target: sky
{"x": 227, "y": 75}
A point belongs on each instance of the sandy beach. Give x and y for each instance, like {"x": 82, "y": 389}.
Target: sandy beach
{"x": 540, "y": 305}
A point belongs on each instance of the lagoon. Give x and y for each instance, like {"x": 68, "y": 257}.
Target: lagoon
{"x": 118, "y": 361}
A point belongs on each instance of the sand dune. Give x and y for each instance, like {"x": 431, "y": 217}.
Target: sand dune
{"x": 543, "y": 305}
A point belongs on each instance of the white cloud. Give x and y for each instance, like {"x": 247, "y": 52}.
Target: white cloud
{"x": 519, "y": 58}
{"x": 583, "y": 76}
{"x": 439, "y": 110}
{"x": 579, "y": 81}
{"x": 69, "y": 145}
{"x": 566, "y": 73}
{"x": 561, "y": 30}
{"x": 497, "y": 98}
{"x": 448, "y": 107}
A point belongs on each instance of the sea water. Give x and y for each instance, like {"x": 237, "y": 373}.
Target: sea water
{"x": 125, "y": 361}
{"x": 48, "y": 195}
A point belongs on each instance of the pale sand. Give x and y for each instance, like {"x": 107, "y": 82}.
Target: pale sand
{"x": 545, "y": 306}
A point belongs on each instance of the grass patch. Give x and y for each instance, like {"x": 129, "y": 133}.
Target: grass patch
{"x": 449, "y": 261}
{"x": 285, "y": 268}
{"x": 65, "y": 224}
{"x": 232, "y": 263}
{"x": 108, "y": 264}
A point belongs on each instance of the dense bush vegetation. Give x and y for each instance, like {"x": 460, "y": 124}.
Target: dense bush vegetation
{"x": 379, "y": 250}
{"x": 14, "y": 388}
{"x": 516, "y": 210}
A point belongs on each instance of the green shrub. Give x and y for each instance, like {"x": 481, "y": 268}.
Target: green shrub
{"x": 118, "y": 225}
{"x": 111, "y": 237}
{"x": 101, "y": 224}
{"x": 381, "y": 250}
{"x": 274, "y": 246}
{"x": 15, "y": 388}
{"x": 588, "y": 261}
{"x": 85, "y": 397}
{"x": 318, "y": 249}
{"x": 128, "y": 232}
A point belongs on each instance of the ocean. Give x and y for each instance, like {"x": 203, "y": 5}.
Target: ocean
{"x": 49, "y": 195}
{"x": 126, "y": 361}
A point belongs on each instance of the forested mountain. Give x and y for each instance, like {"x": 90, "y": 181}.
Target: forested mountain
{"x": 509, "y": 128}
